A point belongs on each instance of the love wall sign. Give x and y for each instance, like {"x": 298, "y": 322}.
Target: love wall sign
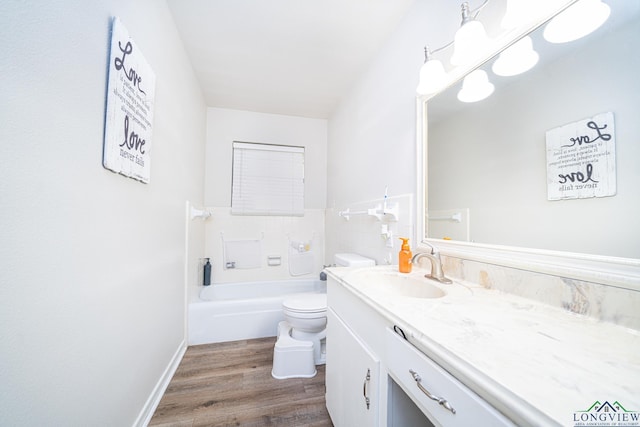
{"x": 581, "y": 159}
{"x": 129, "y": 115}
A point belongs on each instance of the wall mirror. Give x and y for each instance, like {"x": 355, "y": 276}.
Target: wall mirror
{"x": 485, "y": 163}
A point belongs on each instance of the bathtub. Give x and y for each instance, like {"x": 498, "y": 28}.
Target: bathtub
{"x": 246, "y": 310}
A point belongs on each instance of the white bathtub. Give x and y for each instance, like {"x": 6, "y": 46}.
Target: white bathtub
{"x": 238, "y": 311}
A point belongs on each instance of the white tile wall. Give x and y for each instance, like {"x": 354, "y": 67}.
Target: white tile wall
{"x": 275, "y": 233}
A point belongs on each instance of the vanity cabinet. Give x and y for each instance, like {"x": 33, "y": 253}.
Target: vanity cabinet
{"x": 444, "y": 399}
{"x": 352, "y": 377}
{"x": 375, "y": 377}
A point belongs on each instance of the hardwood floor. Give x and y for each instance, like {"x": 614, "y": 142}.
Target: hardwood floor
{"x": 230, "y": 384}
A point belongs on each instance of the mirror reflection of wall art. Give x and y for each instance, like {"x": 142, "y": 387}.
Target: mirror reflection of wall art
{"x": 129, "y": 115}
{"x": 581, "y": 159}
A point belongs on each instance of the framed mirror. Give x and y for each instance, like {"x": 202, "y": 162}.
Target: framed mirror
{"x": 487, "y": 169}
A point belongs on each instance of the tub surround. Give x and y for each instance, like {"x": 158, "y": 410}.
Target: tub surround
{"x": 275, "y": 233}
{"x": 536, "y": 363}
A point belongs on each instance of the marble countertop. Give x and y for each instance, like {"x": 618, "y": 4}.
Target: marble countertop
{"x": 537, "y": 364}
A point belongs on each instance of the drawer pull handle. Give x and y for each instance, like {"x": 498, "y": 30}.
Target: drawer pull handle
{"x": 440, "y": 400}
{"x": 365, "y": 388}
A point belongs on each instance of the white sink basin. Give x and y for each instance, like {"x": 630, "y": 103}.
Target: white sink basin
{"x": 398, "y": 283}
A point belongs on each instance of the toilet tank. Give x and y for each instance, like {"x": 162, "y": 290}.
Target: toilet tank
{"x": 353, "y": 260}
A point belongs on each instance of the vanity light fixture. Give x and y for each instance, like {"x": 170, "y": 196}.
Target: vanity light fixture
{"x": 578, "y": 20}
{"x": 470, "y": 39}
{"x": 475, "y": 87}
{"x": 432, "y": 75}
{"x": 517, "y": 59}
{"x": 521, "y": 13}
{"x": 469, "y": 42}
{"x": 515, "y": 14}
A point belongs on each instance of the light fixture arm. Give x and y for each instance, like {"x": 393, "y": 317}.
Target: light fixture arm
{"x": 428, "y": 53}
{"x": 467, "y": 15}
{"x": 474, "y": 12}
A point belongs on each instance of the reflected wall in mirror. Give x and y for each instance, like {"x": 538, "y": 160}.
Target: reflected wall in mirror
{"x": 487, "y": 160}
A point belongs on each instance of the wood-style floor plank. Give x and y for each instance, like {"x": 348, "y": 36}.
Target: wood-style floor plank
{"x": 230, "y": 384}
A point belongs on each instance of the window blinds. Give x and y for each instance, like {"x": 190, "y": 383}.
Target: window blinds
{"x": 267, "y": 180}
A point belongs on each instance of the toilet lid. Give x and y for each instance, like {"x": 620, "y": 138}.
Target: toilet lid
{"x": 306, "y": 302}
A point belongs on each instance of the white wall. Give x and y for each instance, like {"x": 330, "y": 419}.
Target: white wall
{"x": 376, "y": 237}
{"x": 92, "y": 279}
{"x": 372, "y": 136}
{"x": 225, "y": 126}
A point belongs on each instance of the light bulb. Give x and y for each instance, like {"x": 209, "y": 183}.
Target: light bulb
{"x": 520, "y": 13}
{"x": 515, "y": 15}
{"x": 469, "y": 43}
{"x": 475, "y": 87}
{"x": 470, "y": 40}
{"x": 432, "y": 77}
{"x": 517, "y": 59}
{"x": 580, "y": 19}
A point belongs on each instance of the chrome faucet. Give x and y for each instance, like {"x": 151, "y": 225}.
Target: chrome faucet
{"x": 436, "y": 265}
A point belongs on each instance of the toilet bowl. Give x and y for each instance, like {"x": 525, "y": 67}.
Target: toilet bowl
{"x": 306, "y": 312}
{"x": 307, "y": 315}
{"x": 302, "y": 335}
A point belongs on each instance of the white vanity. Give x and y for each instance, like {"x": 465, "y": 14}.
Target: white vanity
{"x": 486, "y": 357}
{"x": 549, "y": 332}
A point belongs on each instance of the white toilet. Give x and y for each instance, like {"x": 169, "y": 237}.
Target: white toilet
{"x": 302, "y": 335}
{"x": 307, "y": 315}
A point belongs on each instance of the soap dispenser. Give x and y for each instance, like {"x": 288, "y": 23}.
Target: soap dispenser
{"x": 404, "y": 257}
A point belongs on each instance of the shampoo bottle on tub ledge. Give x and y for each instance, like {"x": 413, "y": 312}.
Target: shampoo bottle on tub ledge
{"x": 206, "y": 280}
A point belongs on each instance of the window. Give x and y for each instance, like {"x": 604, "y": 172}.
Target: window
{"x": 267, "y": 179}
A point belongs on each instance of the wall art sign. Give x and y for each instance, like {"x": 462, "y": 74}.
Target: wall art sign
{"x": 581, "y": 159}
{"x": 129, "y": 115}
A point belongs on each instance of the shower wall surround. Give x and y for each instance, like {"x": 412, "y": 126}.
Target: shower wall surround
{"x": 276, "y": 235}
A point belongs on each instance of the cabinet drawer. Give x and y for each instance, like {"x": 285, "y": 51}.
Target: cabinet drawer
{"x": 470, "y": 409}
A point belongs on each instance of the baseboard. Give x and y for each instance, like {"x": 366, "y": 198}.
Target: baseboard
{"x": 158, "y": 391}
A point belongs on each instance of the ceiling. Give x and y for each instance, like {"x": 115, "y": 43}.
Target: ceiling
{"x": 291, "y": 57}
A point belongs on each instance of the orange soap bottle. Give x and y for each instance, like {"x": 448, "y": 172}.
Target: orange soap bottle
{"x": 404, "y": 257}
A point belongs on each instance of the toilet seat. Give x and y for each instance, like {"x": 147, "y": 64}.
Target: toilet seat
{"x": 307, "y": 304}
{"x": 307, "y": 313}
{"x": 295, "y": 317}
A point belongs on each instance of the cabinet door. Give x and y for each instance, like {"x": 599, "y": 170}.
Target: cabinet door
{"x": 352, "y": 377}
